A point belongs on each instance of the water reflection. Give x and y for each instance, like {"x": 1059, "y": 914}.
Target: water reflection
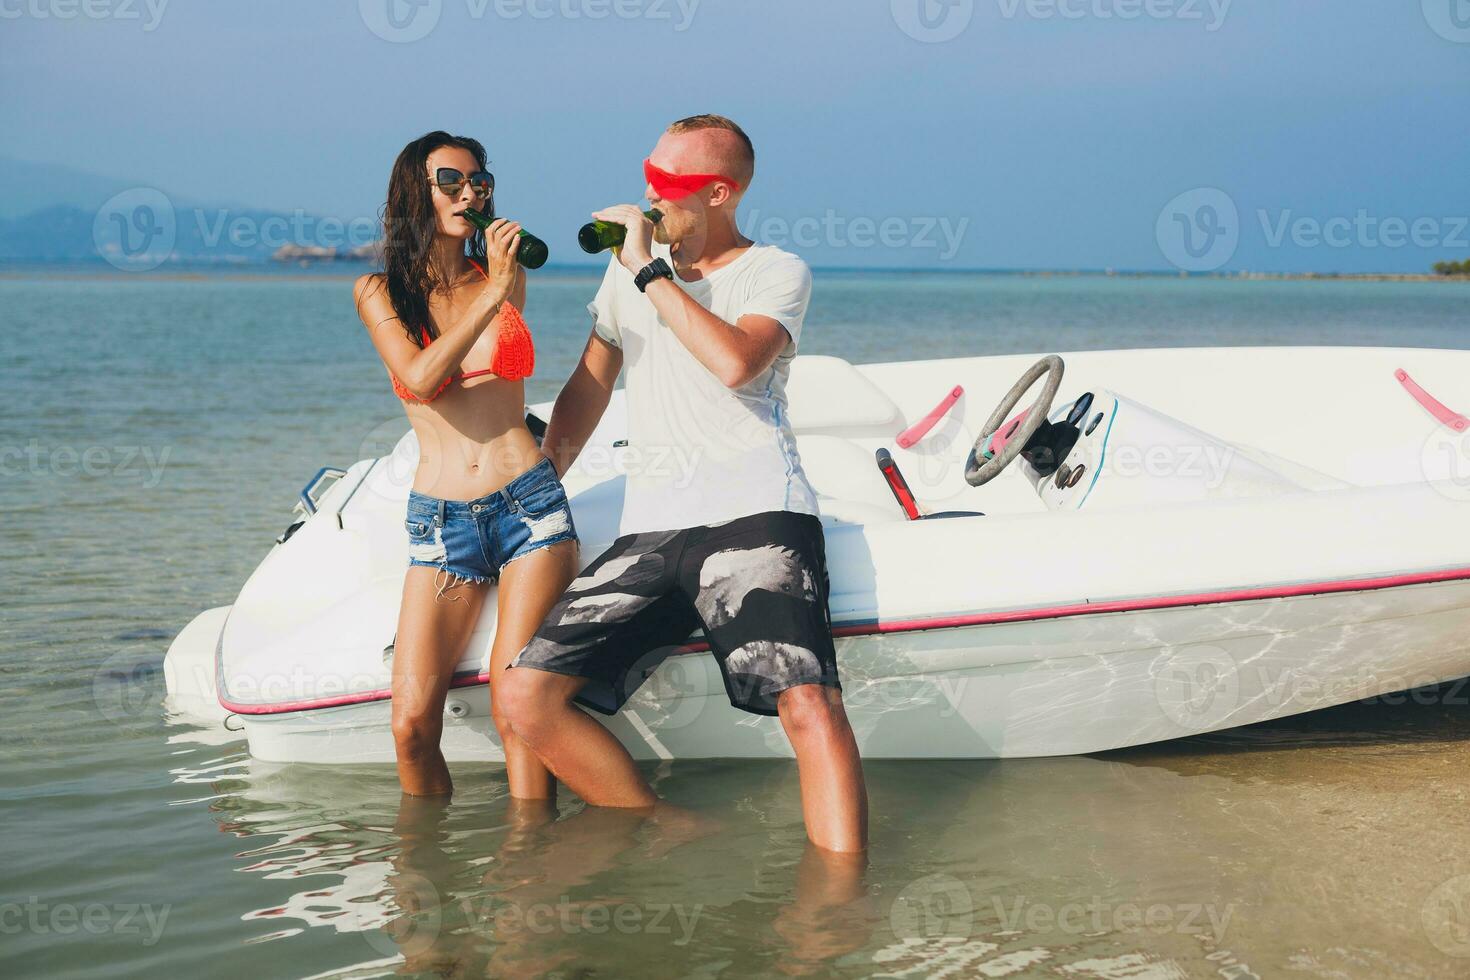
{"x": 1333, "y": 845}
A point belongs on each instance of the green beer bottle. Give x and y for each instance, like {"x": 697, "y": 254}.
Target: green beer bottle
{"x": 598, "y": 236}
{"x": 532, "y": 251}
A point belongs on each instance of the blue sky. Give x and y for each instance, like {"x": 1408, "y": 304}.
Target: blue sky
{"x": 1041, "y": 134}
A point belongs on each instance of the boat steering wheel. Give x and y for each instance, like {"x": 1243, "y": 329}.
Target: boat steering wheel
{"x": 999, "y": 443}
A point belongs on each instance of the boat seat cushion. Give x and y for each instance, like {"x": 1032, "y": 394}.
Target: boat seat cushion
{"x": 827, "y": 394}
{"x": 850, "y": 489}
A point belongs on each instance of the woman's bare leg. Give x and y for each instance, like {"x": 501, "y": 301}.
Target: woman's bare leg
{"x": 529, "y": 587}
{"x": 433, "y": 630}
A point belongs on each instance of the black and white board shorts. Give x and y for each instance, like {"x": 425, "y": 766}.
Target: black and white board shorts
{"x": 757, "y": 586}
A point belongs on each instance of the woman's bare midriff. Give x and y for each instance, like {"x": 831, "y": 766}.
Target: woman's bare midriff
{"x": 473, "y": 439}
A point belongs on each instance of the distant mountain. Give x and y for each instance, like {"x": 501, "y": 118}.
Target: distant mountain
{"x": 29, "y": 187}
{"x": 62, "y": 233}
{"x": 57, "y": 214}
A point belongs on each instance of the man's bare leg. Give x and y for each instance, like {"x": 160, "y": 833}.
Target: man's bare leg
{"x": 575, "y": 747}
{"x": 834, "y": 800}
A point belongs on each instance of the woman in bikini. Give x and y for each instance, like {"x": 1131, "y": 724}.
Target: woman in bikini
{"x": 486, "y": 503}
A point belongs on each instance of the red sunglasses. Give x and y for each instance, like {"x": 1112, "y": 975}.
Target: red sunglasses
{"x": 674, "y": 186}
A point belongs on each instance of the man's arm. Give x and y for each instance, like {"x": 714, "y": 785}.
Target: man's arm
{"x": 581, "y": 403}
{"x": 735, "y": 353}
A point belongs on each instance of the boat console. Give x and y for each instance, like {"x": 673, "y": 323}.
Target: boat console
{"x": 1106, "y": 450}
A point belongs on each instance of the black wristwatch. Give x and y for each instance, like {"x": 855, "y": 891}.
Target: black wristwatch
{"x": 657, "y": 269}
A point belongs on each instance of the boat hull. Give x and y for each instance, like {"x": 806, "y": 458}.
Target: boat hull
{"x": 1066, "y": 686}
{"x": 1261, "y": 532}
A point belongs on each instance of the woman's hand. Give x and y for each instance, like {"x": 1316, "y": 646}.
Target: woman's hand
{"x": 501, "y": 267}
{"x": 637, "y": 248}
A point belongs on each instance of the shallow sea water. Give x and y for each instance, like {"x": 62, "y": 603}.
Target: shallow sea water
{"x": 154, "y": 438}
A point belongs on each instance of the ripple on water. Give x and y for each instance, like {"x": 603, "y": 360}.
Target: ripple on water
{"x": 1320, "y": 842}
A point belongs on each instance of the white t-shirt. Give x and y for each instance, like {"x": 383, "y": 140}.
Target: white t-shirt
{"x": 698, "y": 452}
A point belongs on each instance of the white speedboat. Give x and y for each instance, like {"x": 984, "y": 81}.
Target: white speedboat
{"x": 1148, "y": 544}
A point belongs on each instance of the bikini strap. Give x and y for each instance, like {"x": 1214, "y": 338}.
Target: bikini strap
{"x": 479, "y": 269}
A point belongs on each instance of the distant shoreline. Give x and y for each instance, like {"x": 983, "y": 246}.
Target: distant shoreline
{"x": 346, "y": 271}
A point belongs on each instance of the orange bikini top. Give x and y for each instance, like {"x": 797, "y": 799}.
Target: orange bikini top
{"x": 514, "y": 358}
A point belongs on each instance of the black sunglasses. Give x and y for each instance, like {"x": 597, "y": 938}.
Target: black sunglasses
{"x": 451, "y": 182}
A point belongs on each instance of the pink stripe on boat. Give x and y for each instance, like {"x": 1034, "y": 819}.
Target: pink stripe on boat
{"x": 969, "y": 619}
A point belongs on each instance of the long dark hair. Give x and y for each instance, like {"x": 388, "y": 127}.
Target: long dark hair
{"x": 409, "y": 225}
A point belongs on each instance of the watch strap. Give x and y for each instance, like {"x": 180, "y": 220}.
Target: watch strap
{"x": 657, "y": 269}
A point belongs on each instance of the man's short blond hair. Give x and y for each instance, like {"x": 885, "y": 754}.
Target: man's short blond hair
{"x": 746, "y": 157}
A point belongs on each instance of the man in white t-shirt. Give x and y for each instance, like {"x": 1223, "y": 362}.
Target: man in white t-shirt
{"x": 728, "y": 540}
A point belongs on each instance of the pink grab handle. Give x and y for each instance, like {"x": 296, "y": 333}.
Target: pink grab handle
{"x": 921, "y": 428}
{"x": 1432, "y": 405}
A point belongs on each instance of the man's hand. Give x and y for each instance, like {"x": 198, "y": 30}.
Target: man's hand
{"x": 637, "y": 249}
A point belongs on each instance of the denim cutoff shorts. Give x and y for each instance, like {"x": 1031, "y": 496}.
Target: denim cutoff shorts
{"x": 472, "y": 540}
